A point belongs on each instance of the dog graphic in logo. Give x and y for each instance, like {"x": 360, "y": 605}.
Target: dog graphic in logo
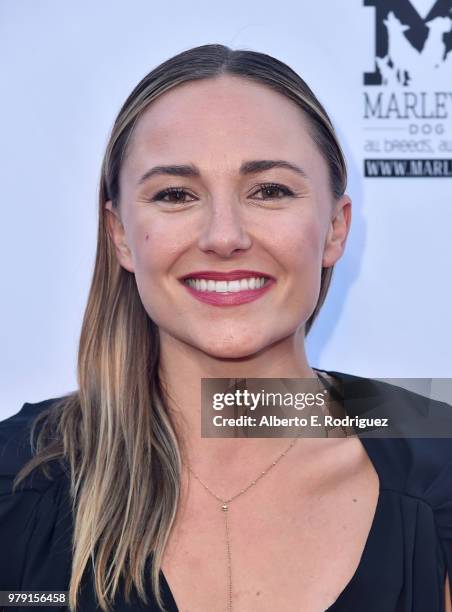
{"x": 413, "y": 43}
{"x": 404, "y": 64}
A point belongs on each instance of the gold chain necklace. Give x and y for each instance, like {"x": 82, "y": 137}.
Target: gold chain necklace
{"x": 225, "y": 508}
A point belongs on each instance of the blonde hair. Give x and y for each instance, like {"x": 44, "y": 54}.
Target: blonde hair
{"x": 115, "y": 431}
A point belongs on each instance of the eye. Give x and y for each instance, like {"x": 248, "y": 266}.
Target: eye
{"x": 176, "y": 193}
{"x": 271, "y": 188}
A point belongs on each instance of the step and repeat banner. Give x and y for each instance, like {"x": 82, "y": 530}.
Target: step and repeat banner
{"x": 381, "y": 68}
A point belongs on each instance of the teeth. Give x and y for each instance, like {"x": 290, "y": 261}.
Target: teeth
{"x": 244, "y": 284}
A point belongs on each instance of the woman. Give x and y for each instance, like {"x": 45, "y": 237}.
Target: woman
{"x": 222, "y": 165}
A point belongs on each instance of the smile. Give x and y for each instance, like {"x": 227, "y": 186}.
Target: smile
{"x": 233, "y": 286}
{"x": 228, "y": 293}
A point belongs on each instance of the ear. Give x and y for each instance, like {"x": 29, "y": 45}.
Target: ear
{"x": 117, "y": 234}
{"x": 337, "y": 231}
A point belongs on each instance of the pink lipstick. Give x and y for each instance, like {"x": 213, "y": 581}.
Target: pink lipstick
{"x": 227, "y": 288}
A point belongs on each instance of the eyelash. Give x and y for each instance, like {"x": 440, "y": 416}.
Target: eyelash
{"x": 179, "y": 191}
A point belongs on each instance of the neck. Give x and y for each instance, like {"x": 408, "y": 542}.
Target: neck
{"x": 181, "y": 369}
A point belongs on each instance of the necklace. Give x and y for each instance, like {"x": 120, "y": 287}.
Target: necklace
{"x": 225, "y": 509}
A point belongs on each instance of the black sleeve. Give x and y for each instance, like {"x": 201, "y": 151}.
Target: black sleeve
{"x": 35, "y": 519}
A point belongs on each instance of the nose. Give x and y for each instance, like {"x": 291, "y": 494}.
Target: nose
{"x": 224, "y": 231}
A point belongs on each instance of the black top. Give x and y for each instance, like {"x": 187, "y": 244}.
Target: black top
{"x": 403, "y": 564}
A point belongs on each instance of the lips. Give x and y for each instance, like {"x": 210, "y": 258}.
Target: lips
{"x": 225, "y": 276}
{"x": 223, "y": 297}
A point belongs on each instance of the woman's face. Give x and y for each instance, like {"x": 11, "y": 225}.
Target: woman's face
{"x": 227, "y": 214}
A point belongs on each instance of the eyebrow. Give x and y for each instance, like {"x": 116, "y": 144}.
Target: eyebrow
{"x": 249, "y": 167}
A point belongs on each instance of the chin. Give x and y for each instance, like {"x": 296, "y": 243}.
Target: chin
{"x": 231, "y": 348}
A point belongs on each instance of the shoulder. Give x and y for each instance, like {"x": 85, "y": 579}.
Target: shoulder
{"x": 418, "y": 467}
{"x": 414, "y": 454}
{"x": 35, "y": 518}
{"x": 410, "y": 412}
{"x": 16, "y": 443}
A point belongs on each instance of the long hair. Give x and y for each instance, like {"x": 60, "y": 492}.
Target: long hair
{"x": 116, "y": 432}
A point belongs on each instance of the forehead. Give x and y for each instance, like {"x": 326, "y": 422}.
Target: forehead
{"x": 219, "y": 122}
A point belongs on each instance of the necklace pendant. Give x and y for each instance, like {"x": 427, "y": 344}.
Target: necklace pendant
{"x": 224, "y": 507}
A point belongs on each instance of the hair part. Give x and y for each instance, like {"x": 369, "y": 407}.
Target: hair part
{"x": 116, "y": 433}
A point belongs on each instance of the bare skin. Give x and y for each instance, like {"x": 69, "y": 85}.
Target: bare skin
{"x": 226, "y": 222}
{"x": 297, "y": 536}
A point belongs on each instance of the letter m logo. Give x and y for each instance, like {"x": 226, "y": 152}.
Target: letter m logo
{"x": 412, "y": 41}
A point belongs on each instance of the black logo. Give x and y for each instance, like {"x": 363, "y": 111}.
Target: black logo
{"x": 411, "y": 45}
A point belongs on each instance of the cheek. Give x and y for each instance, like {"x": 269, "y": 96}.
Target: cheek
{"x": 146, "y": 255}
{"x": 302, "y": 243}
{"x": 149, "y": 265}
{"x": 154, "y": 248}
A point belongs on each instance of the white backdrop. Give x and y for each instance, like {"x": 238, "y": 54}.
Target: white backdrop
{"x": 67, "y": 67}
